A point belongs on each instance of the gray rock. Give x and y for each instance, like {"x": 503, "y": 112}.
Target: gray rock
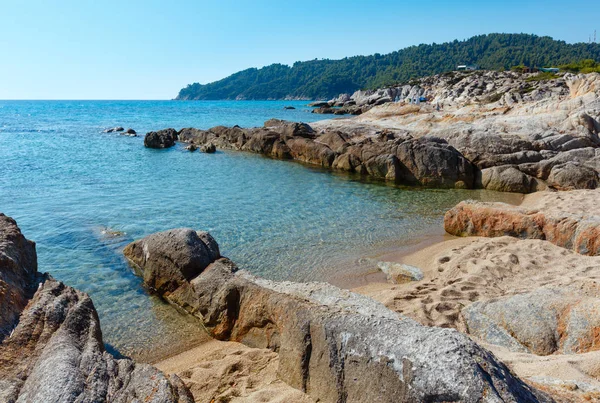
{"x": 184, "y": 252}
{"x": 339, "y": 346}
{"x": 558, "y": 321}
{"x": 161, "y": 139}
{"x": 399, "y": 273}
{"x": 571, "y": 176}
{"x": 208, "y": 148}
{"x": 507, "y": 178}
{"x": 319, "y": 104}
{"x": 18, "y": 272}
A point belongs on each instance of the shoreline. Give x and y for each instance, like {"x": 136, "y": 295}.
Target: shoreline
{"x": 416, "y": 252}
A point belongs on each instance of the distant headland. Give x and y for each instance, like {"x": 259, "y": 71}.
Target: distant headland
{"x": 325, "y": 79}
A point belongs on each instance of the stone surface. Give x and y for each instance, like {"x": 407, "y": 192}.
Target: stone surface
{"x": 399, "y": 273}
{"x": 161, "y": 139}
{"x": 472, "y": 218}
{"x": 55, "y": 353}
{"x": 507, "y": 178}
{"x": 168, "y": 259}
{"x": 18, "y": 260}
{"x": 545, "y": 131}
{"x": 329, "y": 339}
{"x": 558, "y": 321}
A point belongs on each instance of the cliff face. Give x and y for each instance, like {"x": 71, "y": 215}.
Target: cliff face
{"x": 51, "y": 347}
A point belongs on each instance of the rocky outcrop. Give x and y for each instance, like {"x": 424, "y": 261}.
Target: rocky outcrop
{"x": 18, "y": 260}
{"x": 51, "y": 347}
{"x": 328, "y": 339}
{"x": 524, "y": 134}
{"x": 161, "y": 139}
{"x": 473, "y": 218}
{"x": 427, "y": 161}
{"x": 349, "y": 108}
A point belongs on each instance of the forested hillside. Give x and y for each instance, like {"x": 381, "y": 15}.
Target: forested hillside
{"x": 323, "y": 79}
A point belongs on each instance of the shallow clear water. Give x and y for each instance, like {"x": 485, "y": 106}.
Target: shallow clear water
{"x": 69, "y": 186}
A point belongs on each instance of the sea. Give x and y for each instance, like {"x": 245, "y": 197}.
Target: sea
{"x": 82, "y": 195}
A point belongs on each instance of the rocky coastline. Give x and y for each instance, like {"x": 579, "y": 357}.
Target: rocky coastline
{"x": 490, "y": 130}
{"x": 507, "y": 310}
{"x": 326, "y": 338}
{"x": 51, "y": 347}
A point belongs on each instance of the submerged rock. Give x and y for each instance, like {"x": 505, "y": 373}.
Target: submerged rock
{"x": 161, "y": 139}
{"x": 332, "y": 344}
{"x": 54, "y": 350}
{"x": 114, "y": 129}
{"x": 209, "y": 148}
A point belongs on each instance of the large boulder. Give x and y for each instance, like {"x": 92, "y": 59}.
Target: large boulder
{"x": 168, "y": 259}
{"x": 571, "y": 176}
{"x": 431, "y": 161}
{"x": 209, "y": 148}
{"x": 161, "y": 139}
{"x": 507, "y": 178}
{"x": 56, "y": 353}
{"x": 338, "y": 346}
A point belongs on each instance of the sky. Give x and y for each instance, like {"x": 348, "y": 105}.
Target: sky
{"x": 134, "y": 49}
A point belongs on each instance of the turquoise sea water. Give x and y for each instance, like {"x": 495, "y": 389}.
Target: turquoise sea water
{"x": 71, "y": 188}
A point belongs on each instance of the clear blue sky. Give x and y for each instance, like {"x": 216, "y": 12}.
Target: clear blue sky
{"x": 133, "y": 49}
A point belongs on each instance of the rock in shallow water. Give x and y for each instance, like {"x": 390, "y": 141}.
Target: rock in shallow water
{"x": 333, "y": 344}
{"x": 428, "y": 161}
{"x": 56, "y": 353}
{"x": 208, "y": 148}
{"x": 161, "y": 139}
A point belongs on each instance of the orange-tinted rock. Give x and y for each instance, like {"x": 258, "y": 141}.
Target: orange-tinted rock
{"x": 471, "y": 218}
